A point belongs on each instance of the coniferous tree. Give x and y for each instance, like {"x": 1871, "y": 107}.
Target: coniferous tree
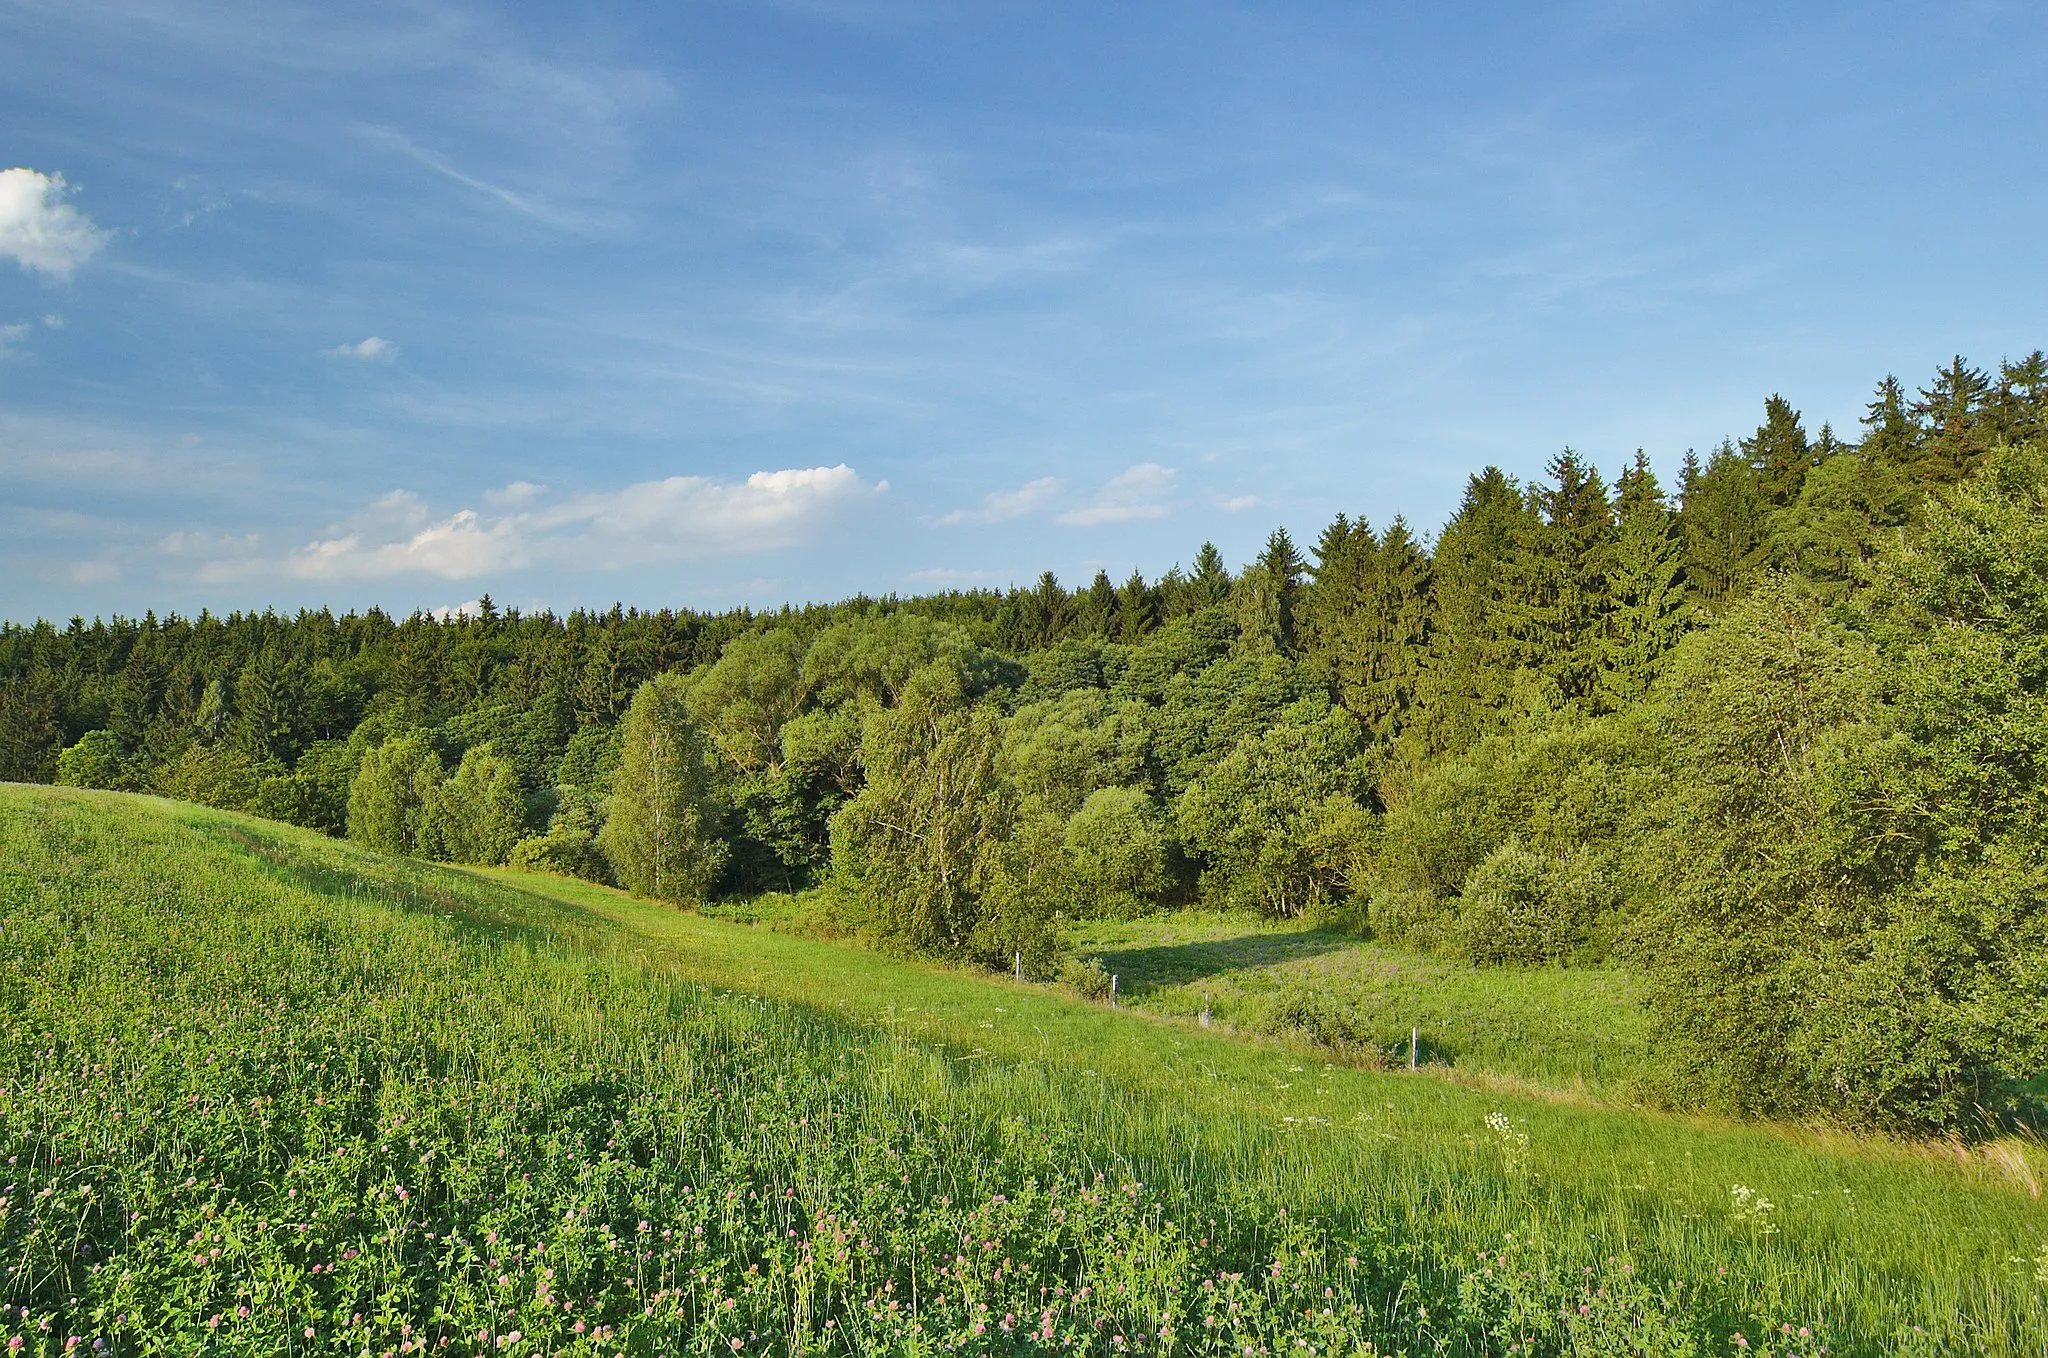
{"x": 1095, "y": 611}
{"x": 1561, "y": 575}
{"x": 1209, "y": 582}
{"x": 265, "y": 726}
{"x": 1343, "y": 555}
{"x": 2018, "y": 410}
{"x": 1779, "y": 452}
{"x": 1891, "y": 436}
{"x": 1383, "y": 638}
{"x": 1137, "y": 606}
{"x": 1267, "y": 596}
{"x": 1726, "y": 520}
{"x": 1466, "y": 679}
{"x": 1954, "y": 410}
{"x": 1646, "y": 588}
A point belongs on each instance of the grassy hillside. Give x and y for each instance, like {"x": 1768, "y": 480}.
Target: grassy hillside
{"x": 261, "y": 1091}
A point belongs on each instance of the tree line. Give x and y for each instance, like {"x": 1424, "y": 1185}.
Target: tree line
{"x": 1774, "y": 737}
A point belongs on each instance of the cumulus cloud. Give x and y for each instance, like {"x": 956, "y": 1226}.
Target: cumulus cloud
{"x": 1138, "y": 493}
{"x": 1237, "y": 504}
{"x": 375, "y": 349}
{"x": 679, "y": 518}
{"x": 39, "y": 230}
{"x": 999, "y": 505}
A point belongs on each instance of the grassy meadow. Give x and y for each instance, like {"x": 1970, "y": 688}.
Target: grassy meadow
{"x": 1575, "y": 1029}
{"x": 266, "y": 1092}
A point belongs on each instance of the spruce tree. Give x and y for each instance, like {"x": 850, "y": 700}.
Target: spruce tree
{"x": 1959, "y": 434}
{"x": 1466, "y": 678}
{"x": 1891, "y": 436}
{"x": 1382, "y": 644}
{"x": 1095, "y": 612}
{"x": 1267, "y": 596}
{"x": 1779, "y": 452}
{"x": 1726, "y": 521}
{"x": 1646, "y": 590}
{"x": 1137, "y": 606}
{"x": 1561, "y": 574}
{"x": 1343, "y": 555}
{"x": 1209, "y": 582}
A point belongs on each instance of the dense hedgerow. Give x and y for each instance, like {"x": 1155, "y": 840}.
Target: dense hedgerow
{"x": 242, "y": 1116}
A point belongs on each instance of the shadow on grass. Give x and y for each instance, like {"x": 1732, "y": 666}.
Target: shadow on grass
{"x": 483, "y": 911}
{"x": 1146, "y": 969}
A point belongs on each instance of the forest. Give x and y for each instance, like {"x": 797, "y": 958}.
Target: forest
{"x": 1771, "y": 737}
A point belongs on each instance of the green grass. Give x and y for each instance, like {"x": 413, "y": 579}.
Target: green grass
{"x": 1578, "y": 1030}
{"x": 254, "y": 1038}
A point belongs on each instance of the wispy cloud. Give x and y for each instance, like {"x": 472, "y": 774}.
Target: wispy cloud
{"x": 524, "y": 204}
{"x": 9, "y": 335}
{"x": 1142, "y": 492}
{"x": 1000, "y": 505}
{"x": 39, "y": 230}
{"x": 679, "y": 518}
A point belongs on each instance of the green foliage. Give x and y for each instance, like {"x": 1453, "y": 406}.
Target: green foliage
{"x": 391, "y": 799}
{"x": 98, "y": 759}
{"x": 1526, "y": 909}
{"x": 662, "y": 836}
{"x": 216, "y": 775}
{"x": 1276, "y": 823}
{"x": 1057, "y": 752}
{"x": 479, "y": 813}
{"x": 919, "y": 841}
{"x": 1120, "y": 853}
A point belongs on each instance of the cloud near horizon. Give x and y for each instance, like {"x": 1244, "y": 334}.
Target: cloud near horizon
{"x": 39, "y": 230}
{"x": 1141, "y": 492}
{"x": 679, "y": 518}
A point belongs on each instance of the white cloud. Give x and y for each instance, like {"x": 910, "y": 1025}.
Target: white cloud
{"x": 39, "y": 230}
{"x": 948, "y": 577}
{"x": 54, "y": 321}
{"x": 680, "y": 518}
{"x": 9, "y": 334}
{"x": 1237, "y": 504}
{"x": 375, "y": 349}
{"x": 446, "y": 612}
{"x": 512, "y": 496}
{"x": 199, "y": 542}
{"x": 94, "y": 572}
{"x": 1138, "y": 493}
{"x": 1000, "y": 505}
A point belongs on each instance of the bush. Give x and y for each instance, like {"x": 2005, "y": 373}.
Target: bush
{"x": 99, "y": 759}
{"x": 1520, "y": 908}
{"x": 1086, "y": 977}
{"x": 1117, "y": 849}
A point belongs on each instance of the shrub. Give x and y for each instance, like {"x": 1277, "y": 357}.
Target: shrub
{"x": 99, "y": 759}
{"x": 1117, "y": 847}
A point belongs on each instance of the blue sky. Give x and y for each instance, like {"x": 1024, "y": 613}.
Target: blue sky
{"x": 709, "y": 303}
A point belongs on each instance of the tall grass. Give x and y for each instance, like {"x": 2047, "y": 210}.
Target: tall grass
{"x": 258, "y": 1084}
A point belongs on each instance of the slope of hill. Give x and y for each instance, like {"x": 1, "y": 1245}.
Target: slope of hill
{"x": 261, "y": 1091}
